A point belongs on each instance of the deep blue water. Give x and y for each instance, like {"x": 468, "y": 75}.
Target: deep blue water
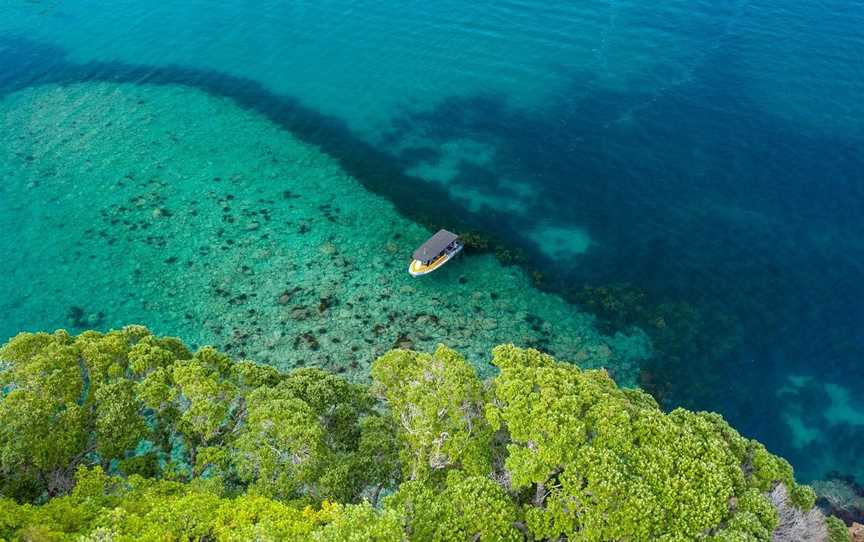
{"x": 707, "y": 153}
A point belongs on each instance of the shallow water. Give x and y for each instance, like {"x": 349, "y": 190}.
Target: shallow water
{"x": 707, "y": 154}
{"x": 163, "y": 205}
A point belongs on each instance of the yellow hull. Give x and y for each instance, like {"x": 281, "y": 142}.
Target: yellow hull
{"x": 416, "y": 268}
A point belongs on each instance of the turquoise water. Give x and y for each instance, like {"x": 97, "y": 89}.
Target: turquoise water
{"x": 254, "y": 176}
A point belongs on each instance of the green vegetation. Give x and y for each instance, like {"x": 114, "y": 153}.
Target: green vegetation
{"x": 128, "y": 436}
{"x": 837, "y": 530}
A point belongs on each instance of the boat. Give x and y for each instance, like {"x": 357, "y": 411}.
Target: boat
{"x": 435, "y": 252}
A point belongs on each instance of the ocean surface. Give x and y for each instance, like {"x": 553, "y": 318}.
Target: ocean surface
{"x": 672, "y": 191}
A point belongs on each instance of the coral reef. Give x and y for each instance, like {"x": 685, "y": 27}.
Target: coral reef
{"x": 475, "y": 241}
{"x": 687, "y": 341}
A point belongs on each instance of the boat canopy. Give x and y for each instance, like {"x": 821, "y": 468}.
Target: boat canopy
{"x": 436, "y": 244}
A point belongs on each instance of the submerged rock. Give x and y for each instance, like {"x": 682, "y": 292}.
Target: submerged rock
{"x": 161, "y": 212}
{"x": 285, "y": 297}
{"x": 403, "y": 341}
{"x": 841, "y": 496}
{"x": 309, "y": 339}
{"x": 328, "y": 248}
{"x": 77, "y": 318}
{"x": 299, "y": 313}
{"x": 75, "y": 315}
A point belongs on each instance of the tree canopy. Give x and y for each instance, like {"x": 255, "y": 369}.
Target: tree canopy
{"x": 128, "y": 436}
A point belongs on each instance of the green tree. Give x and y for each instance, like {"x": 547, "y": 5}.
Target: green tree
{"x": 837, "y": 531}
{"x": 468, "y": 508}
{"x": 317, "y": 436}
{"x": 360, "y": 523}
{"x": 438, "y": 402}
{"x": 281, "y": 448}
{"x": 594, "y": 462}
{"x": 65, "y": 403}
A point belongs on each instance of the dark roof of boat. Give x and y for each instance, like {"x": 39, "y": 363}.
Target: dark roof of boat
{"x": 435, "y": 245}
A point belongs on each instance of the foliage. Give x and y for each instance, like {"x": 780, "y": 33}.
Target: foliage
{"x": 127, "y": 436}
{"x": 438, "y": 401}
{"x": 577, "y": 440}
{"x": 112, "y": 508}
{"x": 468, "y": 508}
{"x": 139, "y": 404}
{"x": 66, "y": 399}
{"x": 360, "y": 523}
{"x": 837, "y": 530}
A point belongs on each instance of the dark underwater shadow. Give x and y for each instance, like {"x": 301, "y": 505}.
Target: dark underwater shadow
{"x": 27, "y": 63}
